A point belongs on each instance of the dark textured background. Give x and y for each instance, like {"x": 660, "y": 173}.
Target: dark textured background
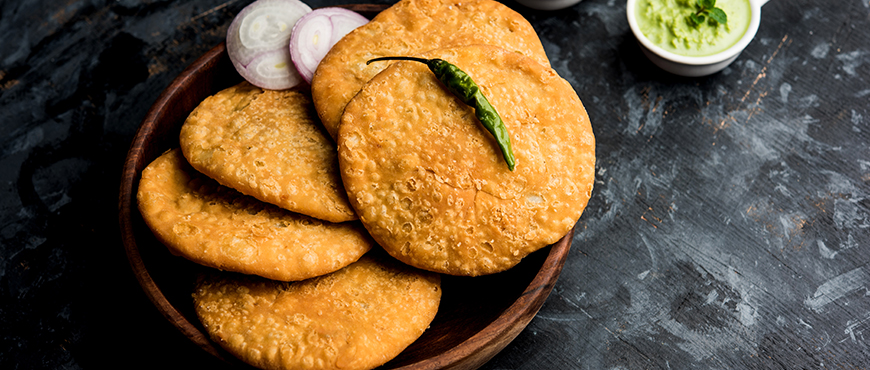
{"x": 728, "y": 228}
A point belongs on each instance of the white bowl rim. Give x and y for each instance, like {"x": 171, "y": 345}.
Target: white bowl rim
{"x": 754, "y": 21}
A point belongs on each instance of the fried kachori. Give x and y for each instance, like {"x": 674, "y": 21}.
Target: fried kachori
{"x": 411, "y": 27}
{"x": 215, "y": 226}
{"x": 354, "y": 319}
{"x": 270, "y": 145}
{"x": 429, "y": 182}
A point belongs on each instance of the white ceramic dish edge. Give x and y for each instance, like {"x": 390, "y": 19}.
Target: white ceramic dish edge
{"x": 548, "y": 4}
{"x": 694, "y": 66}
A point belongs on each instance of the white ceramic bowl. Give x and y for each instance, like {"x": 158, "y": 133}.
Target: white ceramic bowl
{"x": 548, "y": 4}
{"x": 693, "y": 66}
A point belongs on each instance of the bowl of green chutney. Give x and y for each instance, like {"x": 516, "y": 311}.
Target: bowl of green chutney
{"x": 693, "y": 38}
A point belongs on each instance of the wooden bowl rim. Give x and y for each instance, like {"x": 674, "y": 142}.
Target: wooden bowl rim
{"x": 470, "y": 353}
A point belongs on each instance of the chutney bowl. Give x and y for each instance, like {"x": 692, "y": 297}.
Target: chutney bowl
{"x": 693, "y": 66}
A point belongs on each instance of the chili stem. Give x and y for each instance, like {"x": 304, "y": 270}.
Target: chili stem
{"x": 421, "y": 60}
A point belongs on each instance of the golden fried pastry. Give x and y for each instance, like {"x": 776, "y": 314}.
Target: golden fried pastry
{"x": 354, "y": 319}
{"x": 210, "y": 224}
{"x": 431, "y": 185}
{"x": 269, "y": 145}
{"x": 411, "y": 27}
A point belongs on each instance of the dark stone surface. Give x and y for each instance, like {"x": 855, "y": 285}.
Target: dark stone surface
{"x": 729, "y": 225}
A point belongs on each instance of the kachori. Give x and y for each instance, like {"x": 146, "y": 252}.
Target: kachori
{"x": 213, "y": 225}
{"x": 356, "y": 318}
{"x": 430, "y": 184}
{"x": 268, "y": 144}
{"x": 411, "y": 27}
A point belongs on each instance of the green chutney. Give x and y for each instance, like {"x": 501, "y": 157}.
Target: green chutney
{"x": 666, "y": 23}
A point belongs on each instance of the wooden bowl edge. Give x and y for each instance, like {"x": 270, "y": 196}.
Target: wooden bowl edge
{"x": 483, "y": 346}
{"x": 133, "y": 166}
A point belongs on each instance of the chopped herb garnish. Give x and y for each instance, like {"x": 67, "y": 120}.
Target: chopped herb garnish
{"x": 707, "y": 8}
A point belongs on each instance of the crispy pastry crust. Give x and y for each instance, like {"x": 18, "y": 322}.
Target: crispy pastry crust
{"x": 429, "y": 182}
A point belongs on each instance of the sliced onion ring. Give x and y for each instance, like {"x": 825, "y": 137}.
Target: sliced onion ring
{"x": 257, "y": 42}
{"x": 316, "y": 32}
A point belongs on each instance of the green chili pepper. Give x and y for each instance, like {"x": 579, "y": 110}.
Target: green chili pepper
{"x": 460, "y": 84}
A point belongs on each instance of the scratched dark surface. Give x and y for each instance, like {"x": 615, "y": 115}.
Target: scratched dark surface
{"x": 729, "y": 227}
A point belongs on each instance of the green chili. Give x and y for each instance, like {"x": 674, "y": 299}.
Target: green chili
{"x": 460, "y": 84}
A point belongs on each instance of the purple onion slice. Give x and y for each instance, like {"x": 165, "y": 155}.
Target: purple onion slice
{"x": 316, "y": 32}
{"x": 257, "y": 42}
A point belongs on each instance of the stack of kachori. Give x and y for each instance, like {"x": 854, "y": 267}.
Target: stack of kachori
{"x": 329, "y": 213}
{"x": 240, "y": 145}
{"x": 295, "y": 289}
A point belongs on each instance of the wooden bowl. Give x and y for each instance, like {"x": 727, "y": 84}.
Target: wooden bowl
{"x": 477, "y": 318}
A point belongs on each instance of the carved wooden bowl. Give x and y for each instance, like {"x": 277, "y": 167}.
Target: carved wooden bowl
{"x": 477, "y": 318}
